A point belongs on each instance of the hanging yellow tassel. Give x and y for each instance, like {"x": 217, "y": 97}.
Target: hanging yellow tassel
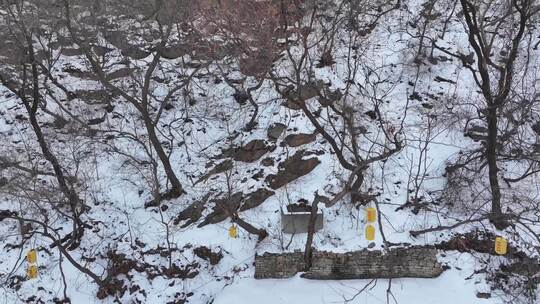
{"x": 32, "y": 271}
{"x": 370, "y": 232}
{"x": 371, "y": 215}
{"x": 233, "y": 233}
{"x": 31, "y": 256}
{"x": 501, "y": 245}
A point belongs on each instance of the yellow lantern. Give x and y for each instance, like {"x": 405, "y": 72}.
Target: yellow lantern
{"x": 31, "y": 256}
{"x": 371, "y": 215}
{"x": 233, "y": 233}
{"x": 32, "y": 271}
{"x": 501, "y": 245}
{"x": 370, "y": 232}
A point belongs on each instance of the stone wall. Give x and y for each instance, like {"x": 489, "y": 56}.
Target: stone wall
{"x": 397, "y": 263}
{"x": 279, "y": 265}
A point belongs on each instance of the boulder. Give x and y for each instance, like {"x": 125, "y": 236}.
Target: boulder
{"x": 275, "y": 131}
{"x": 267, "y": 162}
{"x": 292, "y": 104}
{"x": 252, "y": 151}
{"x": 135, "y": 53}
{"x": 223, "y": 209}
{"x": 255, "y": 199}
{"x": 120, "y": 73}
{"x": 291, "y": 169}
{"x": 295, "y": 140}
{"x": 192, "y": 213}
{"x": 219, "y": 168}
{"x": 174, "y": 51}
{"x": 70, "y": 52}
{"x": 207, "y": 254}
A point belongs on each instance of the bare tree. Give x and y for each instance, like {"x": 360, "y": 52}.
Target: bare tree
{"x": 25, "y": 74}
{"x": 140, "y": 85}
{"x": 496, "y": 34}
{"x": 340, "y": 116}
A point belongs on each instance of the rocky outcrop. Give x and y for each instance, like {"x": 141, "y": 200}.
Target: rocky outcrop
{"x": 94, "y": 96}
{"x": 275, "y": 131}
{"x": 135, "y": 52}
{"x": 219, "y": 168}
{"x": 70, "y": 52}
{"x": 207, "y": 254}
{"x": 305, "y": 91}
{"x": 255, "y": 199}
{"x": 295, "y": 140}
{"x": 174, "y": 51}
{"x": 252, "y": 151}
{"x": 192, "y": 213}
{"x": 267, "y": 162}
{"x": 120, "y": 73}
{"x": 416, "y": 262}
{"x": 223, "y": 209}
{"x": 291, "y": 169}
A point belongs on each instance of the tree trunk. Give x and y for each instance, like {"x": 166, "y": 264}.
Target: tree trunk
{"x": 496, "y": 216}
{"x": 308, "y": 252}
{"x": 355, "y": 188}
{"x": 176, "y": 187}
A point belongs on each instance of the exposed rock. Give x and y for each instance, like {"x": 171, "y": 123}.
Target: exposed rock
{"x": 483, "y": 295}
{"x": 219, "y": 168}
{"x": 295, "y": 140}
{"x": 223, "y": 209}
{"x": 292, "y": 104}
{"x": 252, "y": 151}
{"x": 275, "y": 131}
{"x": 291, "y": 169}
{"x": 267, "y": 162}
{"x": 207, "y": 254}
{"x": 255, "y": 199}
{"x": 415, "y": 262}
{"x": 70, "y": 52}
{"x": 3, "y": 181}
{"x": 120, "y": 73}
{"x": 97, "y": 120}
{"x": 427, "y": 105}
{"x": 76, "y": 72}
{"x": 536, "y": 128}
{"x": 241, "y": 97}
{"x": 135, "y": 53}
{"x": 192, "y": 213}
{"x": 371, "y": 114}
{"x": 305, "y": 91}
{"x": 361, "y": 130}
{"x": 93, "y": 96}
{"x": 174, "y": 51}
{"x": 59, "y": 122}
{"x": 257, "y": 176}
{"x": 329, "y": 97}
{"x": 442, "y": 79}
{"x": 118, "y": 39}
{"x": 101, "y": 50}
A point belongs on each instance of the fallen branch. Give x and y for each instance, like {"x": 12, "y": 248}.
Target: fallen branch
{"x": 415, "y": 233}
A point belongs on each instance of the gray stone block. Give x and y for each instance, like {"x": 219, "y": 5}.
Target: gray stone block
{"x": 297, "y": 222}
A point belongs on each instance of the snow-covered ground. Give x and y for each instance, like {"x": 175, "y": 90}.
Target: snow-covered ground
{"x": 116, "y": 188}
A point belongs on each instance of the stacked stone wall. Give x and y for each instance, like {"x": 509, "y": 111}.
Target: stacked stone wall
{"x": 396, "y": 263}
